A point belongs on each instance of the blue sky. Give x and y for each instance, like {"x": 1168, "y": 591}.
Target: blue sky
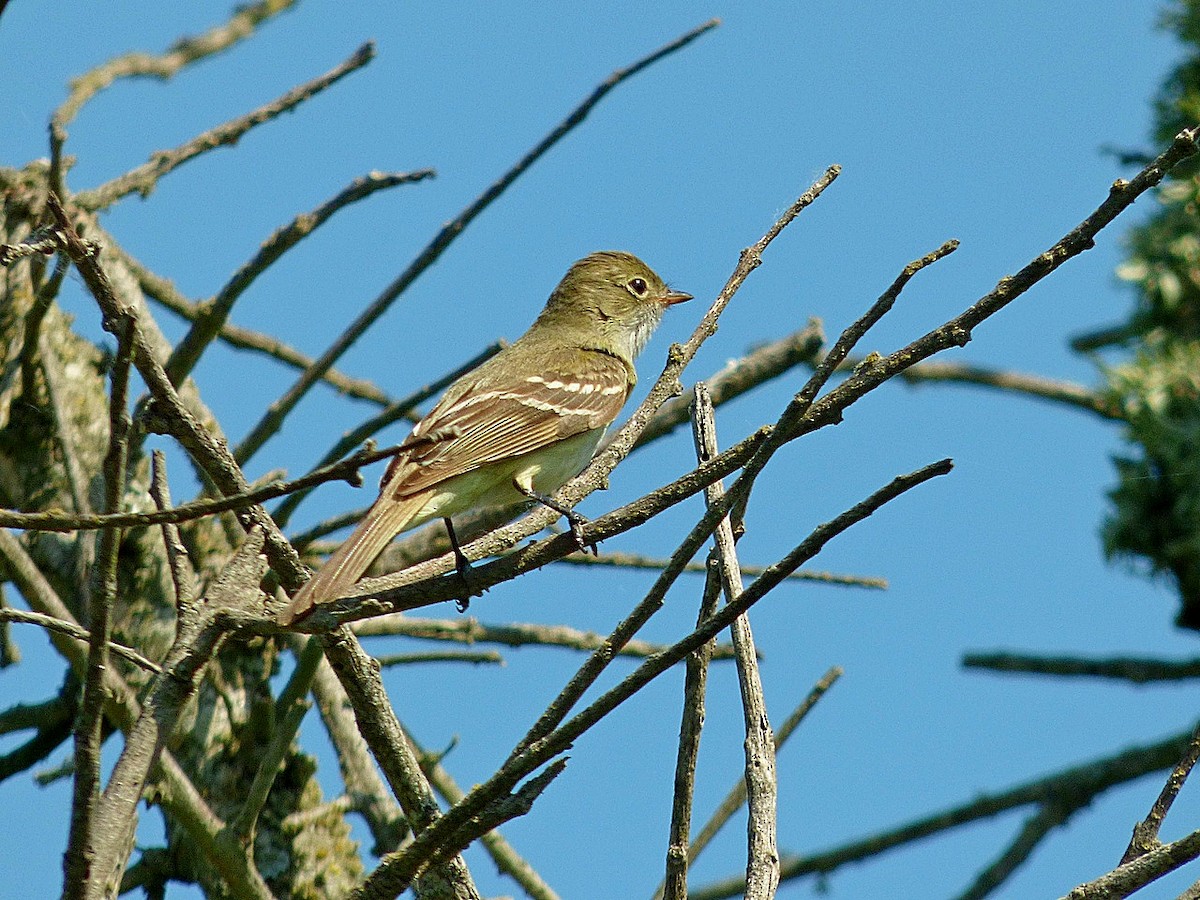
{"x": 977, "y": 121}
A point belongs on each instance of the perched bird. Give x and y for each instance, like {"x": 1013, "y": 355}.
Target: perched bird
{"x": 521, "y": 424}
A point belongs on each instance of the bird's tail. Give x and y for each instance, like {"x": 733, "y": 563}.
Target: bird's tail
{"x": 383, "y": 521}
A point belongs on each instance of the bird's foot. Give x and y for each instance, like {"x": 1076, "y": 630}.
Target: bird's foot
{"x": 466, "y": 572}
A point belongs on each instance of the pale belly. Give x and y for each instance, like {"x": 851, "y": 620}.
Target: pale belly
{"x": 545, "y": 471}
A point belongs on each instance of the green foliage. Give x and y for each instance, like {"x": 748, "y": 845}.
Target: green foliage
{"x": 1156, "y": 503}
{"x": 1155, "y": 515}
{"x": 1164, "y": 264}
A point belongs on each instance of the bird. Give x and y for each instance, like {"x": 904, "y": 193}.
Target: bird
{"x": 520, "y": 425}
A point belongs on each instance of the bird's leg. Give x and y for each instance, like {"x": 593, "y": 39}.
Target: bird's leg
{"x": 576, "y": 520}
{"x": 462, "y": 565}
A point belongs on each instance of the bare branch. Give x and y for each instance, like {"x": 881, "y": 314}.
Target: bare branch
{"x": 80, "y": 879}
{"x": 345, "y": 470}
{"x": 44, "y": 241}
{"x": 1048, "y": 817}
{"x": 401, "y": 869}
{"x": 638, "y": 561}
{"x": 70, "y": 629}
{"x": 165, "y": 292}
{"x": 1134, "y": 875}
{"x": 1145, "y": 833}
{"x": 183, "y": 577}
{"x": 762, "y": 851}
{"x": 240, "y": 26}
{"x": 476, "y": 657}
{"x": 503, "y": 854}
{"x": 1065, "y": 392}
{"x": 215, "y": 312}
{"x": 851, "y": 336}
{"x": 52, "y": 722}
{"x": 511, "y": 634}
{"x": 695, "y": 684}
{"x": 739, "y": 376}
{"x": 737, "y": 794}
{"x": 1072, "y": 788}
{"x": 377, "y": 723}
{"x": 1138, "y": 670}
{"x": 145, "y": 177}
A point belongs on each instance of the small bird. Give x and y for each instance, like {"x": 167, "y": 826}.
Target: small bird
{"x": 520, "y": 425}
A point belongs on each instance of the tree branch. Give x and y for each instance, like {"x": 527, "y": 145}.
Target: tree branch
{"x": 216, "y": 311}
{"x": 145, "y": 177}
{"x": 762, "y": 850}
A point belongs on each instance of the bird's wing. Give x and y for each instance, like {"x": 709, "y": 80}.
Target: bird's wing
{"x": 504, "y": 418}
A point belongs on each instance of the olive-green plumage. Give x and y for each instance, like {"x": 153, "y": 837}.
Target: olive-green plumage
{"x": 521, "y": 424}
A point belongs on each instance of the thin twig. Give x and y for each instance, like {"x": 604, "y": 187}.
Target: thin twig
{"x": 240, "y": 26}
{"x": 695, "y": 684}
{"x": 216, "y": 311}
{"x": 307, "y": 540}
{"x": 851, "y": 336}
{"x": 1092, "y": 341}
{"x": 739, "y": 376}
{"x": 512, "y": 634}
{"x": 44, "y": 242}
{"x": 1064, "y": 392}
{"x": 80, "y": 879}
{"x": 344, "y": 470}
{"x": 165, "y": 292}
{"x": 289, "y": 711}
{"x": 762, "y": 849}
{"x": 1136, "y": 874}
{"x": 1073, "y": 787}
{"x": 1145, "y": 833}
{"x": 1138, "y": 670}
{"x": 273, "y": 420}
{"x": 183, "y": 577}
{"x": 403, "y": 408}
{"x": 428, "y": 849}
{"x": 1048, "y": 817}
{"x": 51, "y": 721}
{"x": 620, "y": 560}
{"x": 476, "y": 657}
{"x": 145, "y": 177}
{"x": 72, "y": 630}
{"x": 503, "y": 854}
{"x": 737, "y": 794}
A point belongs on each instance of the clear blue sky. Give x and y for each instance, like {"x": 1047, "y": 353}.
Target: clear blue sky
{"x": 977, "y": 121}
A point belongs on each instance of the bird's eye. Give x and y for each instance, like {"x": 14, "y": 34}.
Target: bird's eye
{"x": 639, "y": 286}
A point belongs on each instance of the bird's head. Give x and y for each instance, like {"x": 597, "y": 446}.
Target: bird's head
{"x": 612, "y": 297}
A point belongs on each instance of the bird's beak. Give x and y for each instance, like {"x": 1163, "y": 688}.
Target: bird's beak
{"x": 670, "y": 298}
